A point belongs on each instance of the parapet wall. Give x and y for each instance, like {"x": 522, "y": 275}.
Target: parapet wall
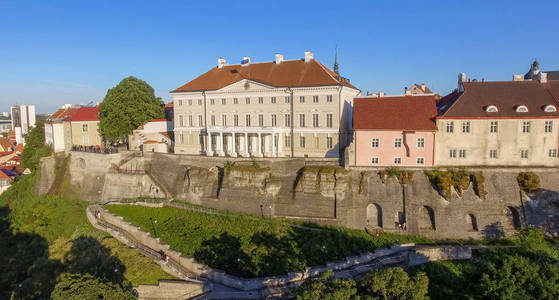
{"x": 316, "y": 190}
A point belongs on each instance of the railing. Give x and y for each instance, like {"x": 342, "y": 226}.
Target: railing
{"x": 94, "y": 149}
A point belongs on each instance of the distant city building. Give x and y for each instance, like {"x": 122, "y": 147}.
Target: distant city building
{"x": 23, "y": 119}
{"x": 5, "y": 125}
{"x": 280, "y": 108}
{"x": 5, "y": 114}
{"x": 418, "y": 89}
{"x": 394, "y": 131}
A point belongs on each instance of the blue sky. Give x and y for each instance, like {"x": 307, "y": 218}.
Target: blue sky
{"x": 55, "y": 52}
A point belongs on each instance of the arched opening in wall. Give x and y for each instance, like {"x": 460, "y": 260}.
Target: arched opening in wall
{"x": 472, "y": 221}
{"x": 426, "y": 218}
{"x": 514, "y": 217}
{"x": 374, "y": 215}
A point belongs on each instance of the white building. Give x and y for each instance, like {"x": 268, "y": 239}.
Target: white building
{"x": 23, "y": 117}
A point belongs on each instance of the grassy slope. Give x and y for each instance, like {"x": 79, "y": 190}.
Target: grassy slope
{"x": 60, "y": 221}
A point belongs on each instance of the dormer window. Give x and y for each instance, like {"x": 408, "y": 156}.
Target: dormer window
{"x": 491, "y": 108}
{"x": 550, "y": 108}
{"x": 521, "y": 109}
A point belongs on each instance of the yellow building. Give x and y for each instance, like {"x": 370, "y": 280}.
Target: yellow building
{"x": 83, "y": 127}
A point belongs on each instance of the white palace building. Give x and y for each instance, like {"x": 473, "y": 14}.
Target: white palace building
{"x": 283, "y": 108}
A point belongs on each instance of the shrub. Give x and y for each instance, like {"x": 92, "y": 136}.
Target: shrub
{"x": 528, "y": 181}
{"x": 228, "y": 164}
{"x": 479, "y": 184}
{"x": 403, "y": 177}
{"x": 460, "y": 179}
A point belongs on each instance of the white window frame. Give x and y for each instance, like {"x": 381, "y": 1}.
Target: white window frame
{"x": 420, "y": 142}
{"x": 420, "y": 161}
{"x": 524, "y": 154}
{"x": 375, "y": 141}
{"x": 462, "y": 153}
{"x": 552, "y": 153}
{"x": 374, "y": 160}
{"x": 397, "y": 142}
{"x": 450, "y": 126}
{"x": 493, "y": 154}
{"x": 466, "y": 127}
{"x": 397, "y": 161}
{"x": 526, "y": 126}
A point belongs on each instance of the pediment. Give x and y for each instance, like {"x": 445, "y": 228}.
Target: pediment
{"x": 245, "y": 85}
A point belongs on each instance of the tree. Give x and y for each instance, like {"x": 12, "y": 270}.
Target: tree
{"x": 394, "y": 283}
{"x": 326, "y": 287}
{"x": 86, "y": 286}
{"x": 126, "y": 106}
{"x": 35, "y": 147}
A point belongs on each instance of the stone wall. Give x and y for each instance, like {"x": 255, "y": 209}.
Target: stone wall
{"x": 317, "y": 191}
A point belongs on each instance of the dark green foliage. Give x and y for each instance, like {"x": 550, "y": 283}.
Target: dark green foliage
{"x": 126, "y": 106}
{"x": 35, "y": 147}
{"x": 265, "y": 247}
{"x": 326, "y": 287}
{"x": 394, "y": 283}
{"x": 86, "y": 286}
{"x": 528, "y": 181}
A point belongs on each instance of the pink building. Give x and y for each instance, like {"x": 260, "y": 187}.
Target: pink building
{"x": 395, "y": 131}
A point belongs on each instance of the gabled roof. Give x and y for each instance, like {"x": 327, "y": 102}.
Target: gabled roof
{"x": 505, "y": 95}
{"x": 85, "y": 114}
{"x": 61, "y": 114}
{"x": 395, "y": 113}
{"x": 426, "y": 91}
{"x": 289, "y": 73}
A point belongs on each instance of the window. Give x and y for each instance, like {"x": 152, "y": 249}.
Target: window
{"x": 302, "y": 141}
{"x": 274, "y": 120}
{"x": 190, "y": 120}
{"x": 261, "y": 120}
{"x": 85, "y": 127}
{"x": 260, "y": 100}
{"x": 493, "y": 153}
{"x": 287, "y": 141}
{"x": 224, "y": 120}
{"x": 315, "y": 120}
{"x": 315, "y": 99}
{"x": 212, "y": 101}
{"x": 420, "y": 142}
{"x": 189, "y": 101}
{"x": 466, "y": 126}
{"x": 462, "y": 153}
{"x": 494, "y": 126}
{"x": 212, "y": 120}
{"x": 524, "y": 154}
{"x": 452, "y": 153}
{"x": 329, "y": 142}
{"x": 247, "y": 100}
{"x": 420, "y": 160}
{"x": 236, "y": 120}
{"x": 374, "y": 161}
{"x": 329, "y": 98}
{"x": 200, "y": 124}
{"x": 450, "y": 126}
{"x": 550, "y": 108}
{"x": 287, "y": 120}
{"x": 526, "y": 126}
{"x": 223, "y": 101}
{"x": 181, "y": 138}
{"x": 492, "y": 108}
{"x": 552, "y": 152}
{"x": 397, "y": 160}
{"x": 548, "y": 126}
{"x": 287, "y": 99}
{"x": 375, "y": 142}
{"x": 247, "y": 120}
{"x": 398, "y": 143}
{"x": 302, "y": 99}
{"x": 235, "y": 100}
{"x": 181, "y": 121}
{"x": 199, "y": 101}
{"x": 329, "y": 120}
{"x": 273, "y": 100}
{"x": 180, "y": 102}
{"x": 522, "y": 108}
{"x": 301, "y": 120}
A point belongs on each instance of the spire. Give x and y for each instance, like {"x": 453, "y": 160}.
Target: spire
{"x": 336, "y": 67}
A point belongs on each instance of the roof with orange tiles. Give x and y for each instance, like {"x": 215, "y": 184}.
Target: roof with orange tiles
{"x": 169, "y": 105}
{"x": 6, "y": 144}
{"x": 85, "y": 114}
{"x": 288, "y": 73}
{"x": 61, "y": 114}
{"x": 395, "y": 113}
{"x": 4, "y": 176}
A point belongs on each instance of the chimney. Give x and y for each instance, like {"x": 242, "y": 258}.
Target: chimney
{"x": 423, "y": 87}
{"x": 408, "y": 92}
{"x": 542, "y": 77}
{"x": 517, "y": 77}
{"x": 308, "y": 56}
{"x": 246, "y": 60}
{"x": 380, "y": 94}
{"x": 221, "y": 62}
{"x": 279, "y": 58}
{"x": 461, "y": 79}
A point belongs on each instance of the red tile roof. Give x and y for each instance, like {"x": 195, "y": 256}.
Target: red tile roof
{"x": 6, "y": 144}
{"x": 4, "y": 176}
{"x": 289, "y": 73}
{"x": 62, "y": 113}
{"x": 85, "y": 114}
{"x": 505, "y": 95}
{"x": 395, "y": 113}
{"x": 169, "y": 105}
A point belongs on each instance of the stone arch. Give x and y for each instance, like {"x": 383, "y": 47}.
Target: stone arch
{"x": 472, "y": 221}
{"x": 513, "y": 217}
{"x": 374, "y": 215}
{"x": 427, "y": 218}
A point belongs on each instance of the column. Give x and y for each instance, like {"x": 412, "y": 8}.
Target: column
{"x": 280, "y": 143}
{"x": 221, "y": 144}
{"x": 273, "y": 145}
{"x": 260, "y": 145}
{"x": 246, "y": 143}
{"x": 209, "y": 152}
{"x": 234, "y": 152}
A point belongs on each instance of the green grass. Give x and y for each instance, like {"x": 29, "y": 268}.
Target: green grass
{"x": 248, "y": 246}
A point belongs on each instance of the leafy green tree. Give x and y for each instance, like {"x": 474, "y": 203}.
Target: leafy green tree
{"x": 126, "y": 106}
{"x": 35, "y": 147}
{"x": 86, "y": 286}
{"x": 394, "y": 283}
{"x": 327, "y": 287}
